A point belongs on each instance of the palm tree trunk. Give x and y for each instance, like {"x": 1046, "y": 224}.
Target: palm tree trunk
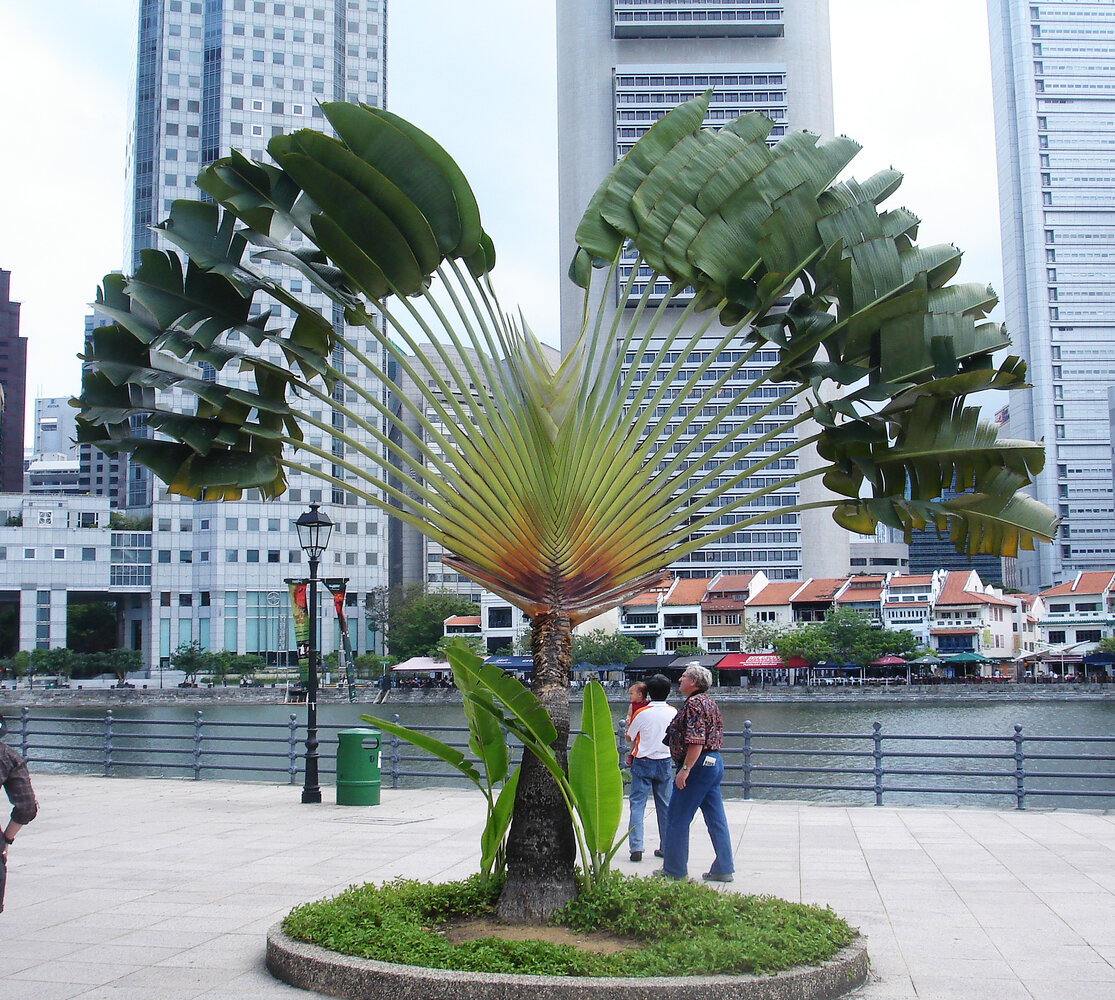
{"x": 541, "y": 847}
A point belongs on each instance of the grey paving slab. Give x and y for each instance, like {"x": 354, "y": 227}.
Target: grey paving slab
{"x": 137, "y": 888}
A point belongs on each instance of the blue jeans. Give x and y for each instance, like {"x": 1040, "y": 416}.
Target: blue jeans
{"x": 649, "y": 776}
{"x": 701, "y": 791}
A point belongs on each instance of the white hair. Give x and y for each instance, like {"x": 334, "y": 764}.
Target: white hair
{"x": 701, "y": 676}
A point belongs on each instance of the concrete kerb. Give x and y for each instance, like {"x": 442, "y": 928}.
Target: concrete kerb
{"x": 311, "y": 968}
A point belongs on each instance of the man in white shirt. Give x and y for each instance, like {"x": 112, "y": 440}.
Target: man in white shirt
{"x": 650, "y": 765}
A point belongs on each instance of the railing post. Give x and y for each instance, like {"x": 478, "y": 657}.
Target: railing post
{"x": 395, "y": 755}
{"x": 197, "y": 745}
{"x": 877, "y": 753}
{"x": 747, "y": 759}
{"x": 108, "y": 743}
{"x": 293, "y": 750}
{"x": 24, "y": 731}
{"x": 1019, "y": 770}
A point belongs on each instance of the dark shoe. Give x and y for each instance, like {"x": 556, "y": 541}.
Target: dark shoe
{"x": 659, "y": 854}
{"x": 636, "y": 855}
{"x": 718, "y": 877}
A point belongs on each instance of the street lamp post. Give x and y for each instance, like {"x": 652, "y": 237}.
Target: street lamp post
{"x": 314, "y": 528}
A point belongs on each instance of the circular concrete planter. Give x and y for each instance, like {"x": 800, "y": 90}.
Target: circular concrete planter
{"x": 313, "y": 968}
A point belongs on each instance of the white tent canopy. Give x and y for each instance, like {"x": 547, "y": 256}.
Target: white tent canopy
{"x": 421, "y": 665}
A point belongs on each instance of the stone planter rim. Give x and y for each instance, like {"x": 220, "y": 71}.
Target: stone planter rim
{"x": 314, "y": 968}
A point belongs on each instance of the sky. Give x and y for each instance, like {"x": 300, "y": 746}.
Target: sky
{"x": 911, "y": 83}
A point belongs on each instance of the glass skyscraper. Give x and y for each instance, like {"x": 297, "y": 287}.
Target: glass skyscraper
{"x": 212, "y": 76}
{"x": 1053, "y": 72}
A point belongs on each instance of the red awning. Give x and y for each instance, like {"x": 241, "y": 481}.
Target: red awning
{"x": 758, "y": 661}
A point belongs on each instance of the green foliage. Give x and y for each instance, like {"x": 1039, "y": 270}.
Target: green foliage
{"x": 595, "y": 783}
{"x": 603, "y": 649}
{"x": 91, "y": 628}
{"x": 757, "y": 637}
{"x": 1106, "y": 645}
{"x": 473, "y": 643}
{"x": 486, "y": 741}
{"x": 845, "y": 636}
{"x": 707, "y": 933}
{"x": 415, "y": 620}
{"x": 192, "y": 660}
{"x": 125, "y": 522}
{"x": 691, "y": 650}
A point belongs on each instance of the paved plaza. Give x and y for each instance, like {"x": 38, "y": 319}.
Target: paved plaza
{"x": 135, "y": 889}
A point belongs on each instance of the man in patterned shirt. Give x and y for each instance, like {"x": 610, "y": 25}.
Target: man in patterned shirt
{"x": 695, "y": 738}
{"x": 17, "y": 785}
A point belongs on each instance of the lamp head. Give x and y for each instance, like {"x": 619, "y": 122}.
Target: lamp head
{"x": 314, "y": 528}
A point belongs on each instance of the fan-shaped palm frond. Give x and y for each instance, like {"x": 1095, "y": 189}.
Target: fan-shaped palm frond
{"x": 566, "y": 491}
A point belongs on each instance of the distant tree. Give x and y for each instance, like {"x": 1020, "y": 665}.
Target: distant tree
{"x": 845, "y": 636}
{"x": 415, "y": 620}
{"x": 91, "y": 627}
{"x": 811, "y": 642}
{"x": 122, "y": 662}
{"x": 602, "y": 648}
{"x": 1106, "y": 645}
{"x": 692, "y": 649}
{"x": 376, "y": 608}
{"x": 59, "y": 661}
{"x": 757, "y": 637}
{"x": 473, "y": 643}
{"x": 192, "y": 660}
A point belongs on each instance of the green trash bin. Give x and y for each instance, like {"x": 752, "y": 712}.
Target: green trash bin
{"x": 358, "y": 773}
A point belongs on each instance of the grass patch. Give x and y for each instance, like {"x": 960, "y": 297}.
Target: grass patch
{"x": 675, "y": 929}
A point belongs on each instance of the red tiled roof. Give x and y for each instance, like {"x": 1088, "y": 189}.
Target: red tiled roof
{"x": 774, "y": 593}
{"x": 688, "y": 591}
{"x": 860, "y": 594}
{"x": 1085, "y": 583}
{"x": 911, "y": 581}
{"x": 463, "y": 620}
{"x": 953, "y": 592}
{"x": 647, "y": 597}
{"x": 734, "y": 582}
{"x": 819, "y": 589}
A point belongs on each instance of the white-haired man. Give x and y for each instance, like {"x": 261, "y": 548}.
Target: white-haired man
{"x": 695, "y": 737}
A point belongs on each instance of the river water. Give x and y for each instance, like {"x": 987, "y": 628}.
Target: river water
{"x": 826, "y": 751}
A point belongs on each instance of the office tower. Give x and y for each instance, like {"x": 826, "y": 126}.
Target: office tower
{"x": 1053, "y": 73}
{"x": 212, "y": 76}
{"x": 622, "y": 64}
{"x": 13, "y": 381}
{"x": 55, "y": 427}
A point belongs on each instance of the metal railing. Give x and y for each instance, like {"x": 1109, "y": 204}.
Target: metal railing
{"x": 876, "y": 767}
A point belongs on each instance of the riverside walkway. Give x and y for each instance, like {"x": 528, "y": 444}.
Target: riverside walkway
{"x": 134, "y": 889}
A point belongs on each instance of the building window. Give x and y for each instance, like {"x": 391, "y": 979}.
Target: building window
{"x": 59, "y": 553}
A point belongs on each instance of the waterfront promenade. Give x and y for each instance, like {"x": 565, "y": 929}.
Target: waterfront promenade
{"x": 140, "y": 888}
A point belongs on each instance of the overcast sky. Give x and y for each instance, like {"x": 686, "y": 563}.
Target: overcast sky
{"x": 911, "y": 83}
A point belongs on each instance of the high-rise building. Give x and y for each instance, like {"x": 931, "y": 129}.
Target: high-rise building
{"x": 212, "y": 76}
{"x": 1053, "y": 73}
{"x": 13, "y": 381}
{"x": 622, "y": 64}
